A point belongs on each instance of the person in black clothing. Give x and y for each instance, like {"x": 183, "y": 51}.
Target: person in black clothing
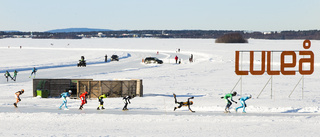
{"x": 126, "y": 100}
{"x": 106, "y": 58}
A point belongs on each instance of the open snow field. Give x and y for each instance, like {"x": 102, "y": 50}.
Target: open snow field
{"x": 207, "y": 79}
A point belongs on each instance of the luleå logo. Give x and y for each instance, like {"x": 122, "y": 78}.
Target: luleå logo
{"x": 285, "y": 68}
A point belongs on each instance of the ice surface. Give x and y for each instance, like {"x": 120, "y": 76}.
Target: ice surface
{"x": 207, "y": 79}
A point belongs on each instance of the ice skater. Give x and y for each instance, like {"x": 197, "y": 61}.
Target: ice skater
{"x": 126, "y": 100}
{"x": 83, "y": 98}
{"x": 17, "y": 94}
{"x": 188, "y": 103}
{"x": 101, "y": 101}
{"x": 7, "y": 75}
{"x": 243, "y": 103}
{"x": 34, "y": 70}
{"x": 15, "y": 73}
{"x": 226, "y": 97}
{"x": 64, "y": 96}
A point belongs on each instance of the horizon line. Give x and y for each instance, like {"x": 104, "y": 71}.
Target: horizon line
{"x": 99, "y": 29}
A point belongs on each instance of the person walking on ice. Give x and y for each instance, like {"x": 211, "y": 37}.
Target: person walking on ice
{"x": 226, "y": 97}
{"x": 83, "y": 98}
{"x": 34, "y": 70}
{"x": 243, "y": 103}
{"x": 101, "y": 101}
{"x": 64, "y": 96}
{"x": 17, "y": 94}
{"x": 188, "y": 103}
{"x": 176, "y": 58}
{"x": 126, "y": 100}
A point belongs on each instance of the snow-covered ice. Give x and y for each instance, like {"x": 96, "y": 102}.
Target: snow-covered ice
{"x": 207, "y": 79}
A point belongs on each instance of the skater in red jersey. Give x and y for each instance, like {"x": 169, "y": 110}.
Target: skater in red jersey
{"x": 83, "y": 98}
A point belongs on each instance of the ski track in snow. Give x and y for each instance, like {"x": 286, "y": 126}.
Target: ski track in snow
{"x": 44, "y": 66}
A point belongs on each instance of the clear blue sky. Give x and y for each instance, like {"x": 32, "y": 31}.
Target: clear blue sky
{"x": 255, "y": 15}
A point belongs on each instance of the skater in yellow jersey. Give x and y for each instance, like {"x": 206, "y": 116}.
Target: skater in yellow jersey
{"x": 188, "y": 103}
{"x": 101, "y": 100}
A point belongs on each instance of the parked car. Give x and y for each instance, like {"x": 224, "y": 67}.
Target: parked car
{"x": 155, "y": 60}
{"x": 114, "y": 58}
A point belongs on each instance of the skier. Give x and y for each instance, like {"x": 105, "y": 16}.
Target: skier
{"x": 176, "y": 58}
{"x": 15, "y": 73}
{"x": 126, "y": 100}
{"x": 7, "y": 75}
{"x": 101, "y": 101}
{"x": 64, "y": 95}
{"x": 188, "y": 103}
{"x": 17, "y": 94}
{"x": 243, "y": 103}
{"x": 34, "y": 70}
{"x": 83, "y": 98}
{"x": 226, "y": 97}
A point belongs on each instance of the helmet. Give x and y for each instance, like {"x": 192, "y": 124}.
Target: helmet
{"x": 70, "y": 91}
{"x": 234, "y": 93}
{"x": 22, "y": 90}
{"x": 191, "y": 102}
{"x": 250, "y": 96}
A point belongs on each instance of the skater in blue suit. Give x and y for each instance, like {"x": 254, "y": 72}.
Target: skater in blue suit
{"x": 243, "y": 103}
{"x": 34, "y": 70}
{"x": 64, "y": 95}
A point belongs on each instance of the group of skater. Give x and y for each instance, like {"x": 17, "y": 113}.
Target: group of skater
{"x": 83, "y": 98}
{"x": 7, "y": 74}
{"x": 229, "y": 100}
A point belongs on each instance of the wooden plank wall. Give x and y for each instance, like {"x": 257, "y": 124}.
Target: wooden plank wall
{"x": 115, "y": 88}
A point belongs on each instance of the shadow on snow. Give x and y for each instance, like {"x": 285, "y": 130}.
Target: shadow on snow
{"x": 166, "y": 95}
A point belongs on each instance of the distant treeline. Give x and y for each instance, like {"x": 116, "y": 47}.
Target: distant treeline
{"x": 205, "y": 34}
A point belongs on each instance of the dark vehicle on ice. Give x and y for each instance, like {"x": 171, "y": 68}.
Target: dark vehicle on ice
{"x": 154, "y": 60}
{"x": 114, "y": 58}
{"x": 82, "y": 62}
